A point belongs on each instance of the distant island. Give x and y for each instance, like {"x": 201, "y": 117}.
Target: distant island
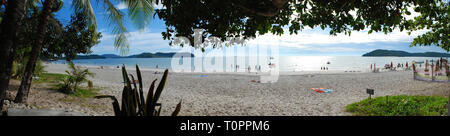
{"x": 159, "y": 55}
{"x": 142, "y": 55}
{"x": 90, "y": 57}
{"x": 394, "y": 53}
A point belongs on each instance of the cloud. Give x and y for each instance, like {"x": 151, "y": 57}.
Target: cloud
{"x": 314, "y": 40}
{"x": 139, "y": 41}
{"x": 308, "y": 37}
{"x": 123, "y": 5}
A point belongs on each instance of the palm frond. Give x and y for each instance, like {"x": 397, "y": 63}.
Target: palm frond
{"x": 115, "y": 17}
{"x": 84, "y": 7}
{"x": 140, "y": 11}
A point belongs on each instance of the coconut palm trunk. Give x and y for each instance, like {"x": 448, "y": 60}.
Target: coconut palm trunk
{"x": 15, "y": 11}
{"x": 24, "y": 89}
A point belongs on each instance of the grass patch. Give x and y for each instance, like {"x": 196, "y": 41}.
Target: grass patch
{"x": 82, "y": 92}
{"x": 86, "y": 92}
{"x": 50, "y": 78}
{"x": 401, "y": 105}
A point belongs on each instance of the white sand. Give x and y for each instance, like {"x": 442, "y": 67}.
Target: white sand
{"x": 235, "y": 94}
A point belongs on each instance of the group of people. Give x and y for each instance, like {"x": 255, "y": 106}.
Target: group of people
{"x": 323, "y": 68}
{"x": 391, "y": 66}
{"x": 249, "y": 68}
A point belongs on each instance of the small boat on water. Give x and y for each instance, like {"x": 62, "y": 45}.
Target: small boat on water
{"x": 418, "y": 62}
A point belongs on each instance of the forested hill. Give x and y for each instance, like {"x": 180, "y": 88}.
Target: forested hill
{"x": 158, "y": 55}
{"x": 142, "y": 55}
{"x": 389, "y": 53}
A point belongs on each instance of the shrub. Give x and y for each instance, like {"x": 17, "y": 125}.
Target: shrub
{"x": 133, "y": 101}
{"x": 401, "y": 105}
{"x": 90, "y": 84}
{"x": 75, "y": 77}
{"x": 18, "y": 68}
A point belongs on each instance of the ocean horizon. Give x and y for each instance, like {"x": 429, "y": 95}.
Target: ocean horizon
{"x": 286, "y": 63}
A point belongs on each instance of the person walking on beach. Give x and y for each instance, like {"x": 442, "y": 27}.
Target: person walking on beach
{"x": 156, "y": 66}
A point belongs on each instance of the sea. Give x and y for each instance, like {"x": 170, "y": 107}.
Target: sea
{"x": 285, "y": 63}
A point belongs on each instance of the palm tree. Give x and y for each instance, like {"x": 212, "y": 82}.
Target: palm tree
{"x": 75, "y": 77}
{"x": 140, "y": 11}
{"x": 15, "y": 11}
{"x": 24, "y": 88}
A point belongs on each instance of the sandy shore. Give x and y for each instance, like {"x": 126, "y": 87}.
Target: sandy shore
{"x": 234, "y": 94}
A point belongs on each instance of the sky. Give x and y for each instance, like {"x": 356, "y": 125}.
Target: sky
{"x": 309, "y": 42}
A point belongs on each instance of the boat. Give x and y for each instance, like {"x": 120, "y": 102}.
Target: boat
{"x": 418, "y": 62}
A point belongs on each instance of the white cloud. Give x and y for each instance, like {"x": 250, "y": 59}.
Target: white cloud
{"x": 121, "y": 6}
{"x": 304, "y": 38}
{"x": 139, "y": 41}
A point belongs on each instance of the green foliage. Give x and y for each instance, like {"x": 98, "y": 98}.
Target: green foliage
{"x": 77, "y": 37}
{"x": 133, "y": 101}
{"x": 433, "y": 17}
{"x": 20, "y": 62}
{"x": 51, "y": 78}
{"x": 139, "y": 11}
{"x": 75, "y": 77}
{"x": 401, "y": 105}
{"x": 235, "y": 18}
{"x": 18, "y": 68}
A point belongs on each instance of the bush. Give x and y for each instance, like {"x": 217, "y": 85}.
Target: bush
{"x": 401, "y": 105}
{"x": 51, "y": 78}
{"x": 133, "y": 101}
{"x": 75, "y": 77}
{"x": 18, "y": 68}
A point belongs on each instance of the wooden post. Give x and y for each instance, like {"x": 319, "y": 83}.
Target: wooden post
{"x": 432, "y": 72}
{"x": 414, "y": 71}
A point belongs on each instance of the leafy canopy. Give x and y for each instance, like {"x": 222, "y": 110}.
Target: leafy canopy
{"x": 139, "y": 11}
{"x": 246, "y": 18}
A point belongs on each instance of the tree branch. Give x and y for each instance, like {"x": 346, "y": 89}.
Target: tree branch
{"x": 277, "y": 5}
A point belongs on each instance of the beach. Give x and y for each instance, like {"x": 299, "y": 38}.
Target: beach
{"x": 234, "y": 94}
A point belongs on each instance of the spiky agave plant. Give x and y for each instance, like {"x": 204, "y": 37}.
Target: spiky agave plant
{"x": 133, "y": 101}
